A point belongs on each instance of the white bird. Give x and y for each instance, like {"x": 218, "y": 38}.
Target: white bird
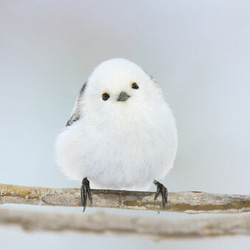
{"x": 121, "y": 133}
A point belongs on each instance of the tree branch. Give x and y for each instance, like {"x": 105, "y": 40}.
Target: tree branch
{"x": 101, "y": 223}
{"x": 188, "y": 202}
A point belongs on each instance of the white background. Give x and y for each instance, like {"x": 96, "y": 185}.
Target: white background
{"x": 199, "y": 51}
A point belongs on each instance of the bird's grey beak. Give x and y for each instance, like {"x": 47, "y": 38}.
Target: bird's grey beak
{"x": 123, "y": 97}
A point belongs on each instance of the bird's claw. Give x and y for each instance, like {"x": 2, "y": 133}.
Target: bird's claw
{"x": 85, "y": 193}
{"x": 161, "y": 189}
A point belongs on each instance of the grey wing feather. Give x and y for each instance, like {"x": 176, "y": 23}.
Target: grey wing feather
{"x": 76, "y": 112}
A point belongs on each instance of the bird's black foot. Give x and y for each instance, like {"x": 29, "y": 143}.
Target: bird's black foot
{"x": 164, "y": 193}
{"x": 85, "y": 193}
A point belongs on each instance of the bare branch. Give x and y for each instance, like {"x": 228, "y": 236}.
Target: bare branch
{"x": 101, "y": 223}
{"x": 188, "y": 202}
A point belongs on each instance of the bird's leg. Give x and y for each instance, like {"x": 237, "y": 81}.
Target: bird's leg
{"x": 164, "y": 193}
{"x": 85, "y": 193}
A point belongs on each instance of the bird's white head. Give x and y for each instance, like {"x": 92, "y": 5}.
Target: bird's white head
{"x": 120, "y": 90}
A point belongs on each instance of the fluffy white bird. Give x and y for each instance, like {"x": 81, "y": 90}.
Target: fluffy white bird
{"x": 121, "y": 133}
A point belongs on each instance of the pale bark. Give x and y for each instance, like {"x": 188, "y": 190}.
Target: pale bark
{"x": 188, "y": 202}
{"x": 113, "y": 225}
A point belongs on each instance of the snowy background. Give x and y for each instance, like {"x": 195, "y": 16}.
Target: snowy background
{"x": 197, "y": 50}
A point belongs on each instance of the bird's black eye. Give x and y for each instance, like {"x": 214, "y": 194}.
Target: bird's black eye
{"x": 134, "y": 85}
{"x": 105, "y": 96}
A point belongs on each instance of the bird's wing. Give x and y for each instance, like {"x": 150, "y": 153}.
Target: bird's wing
{"x": 76, "y": 112}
